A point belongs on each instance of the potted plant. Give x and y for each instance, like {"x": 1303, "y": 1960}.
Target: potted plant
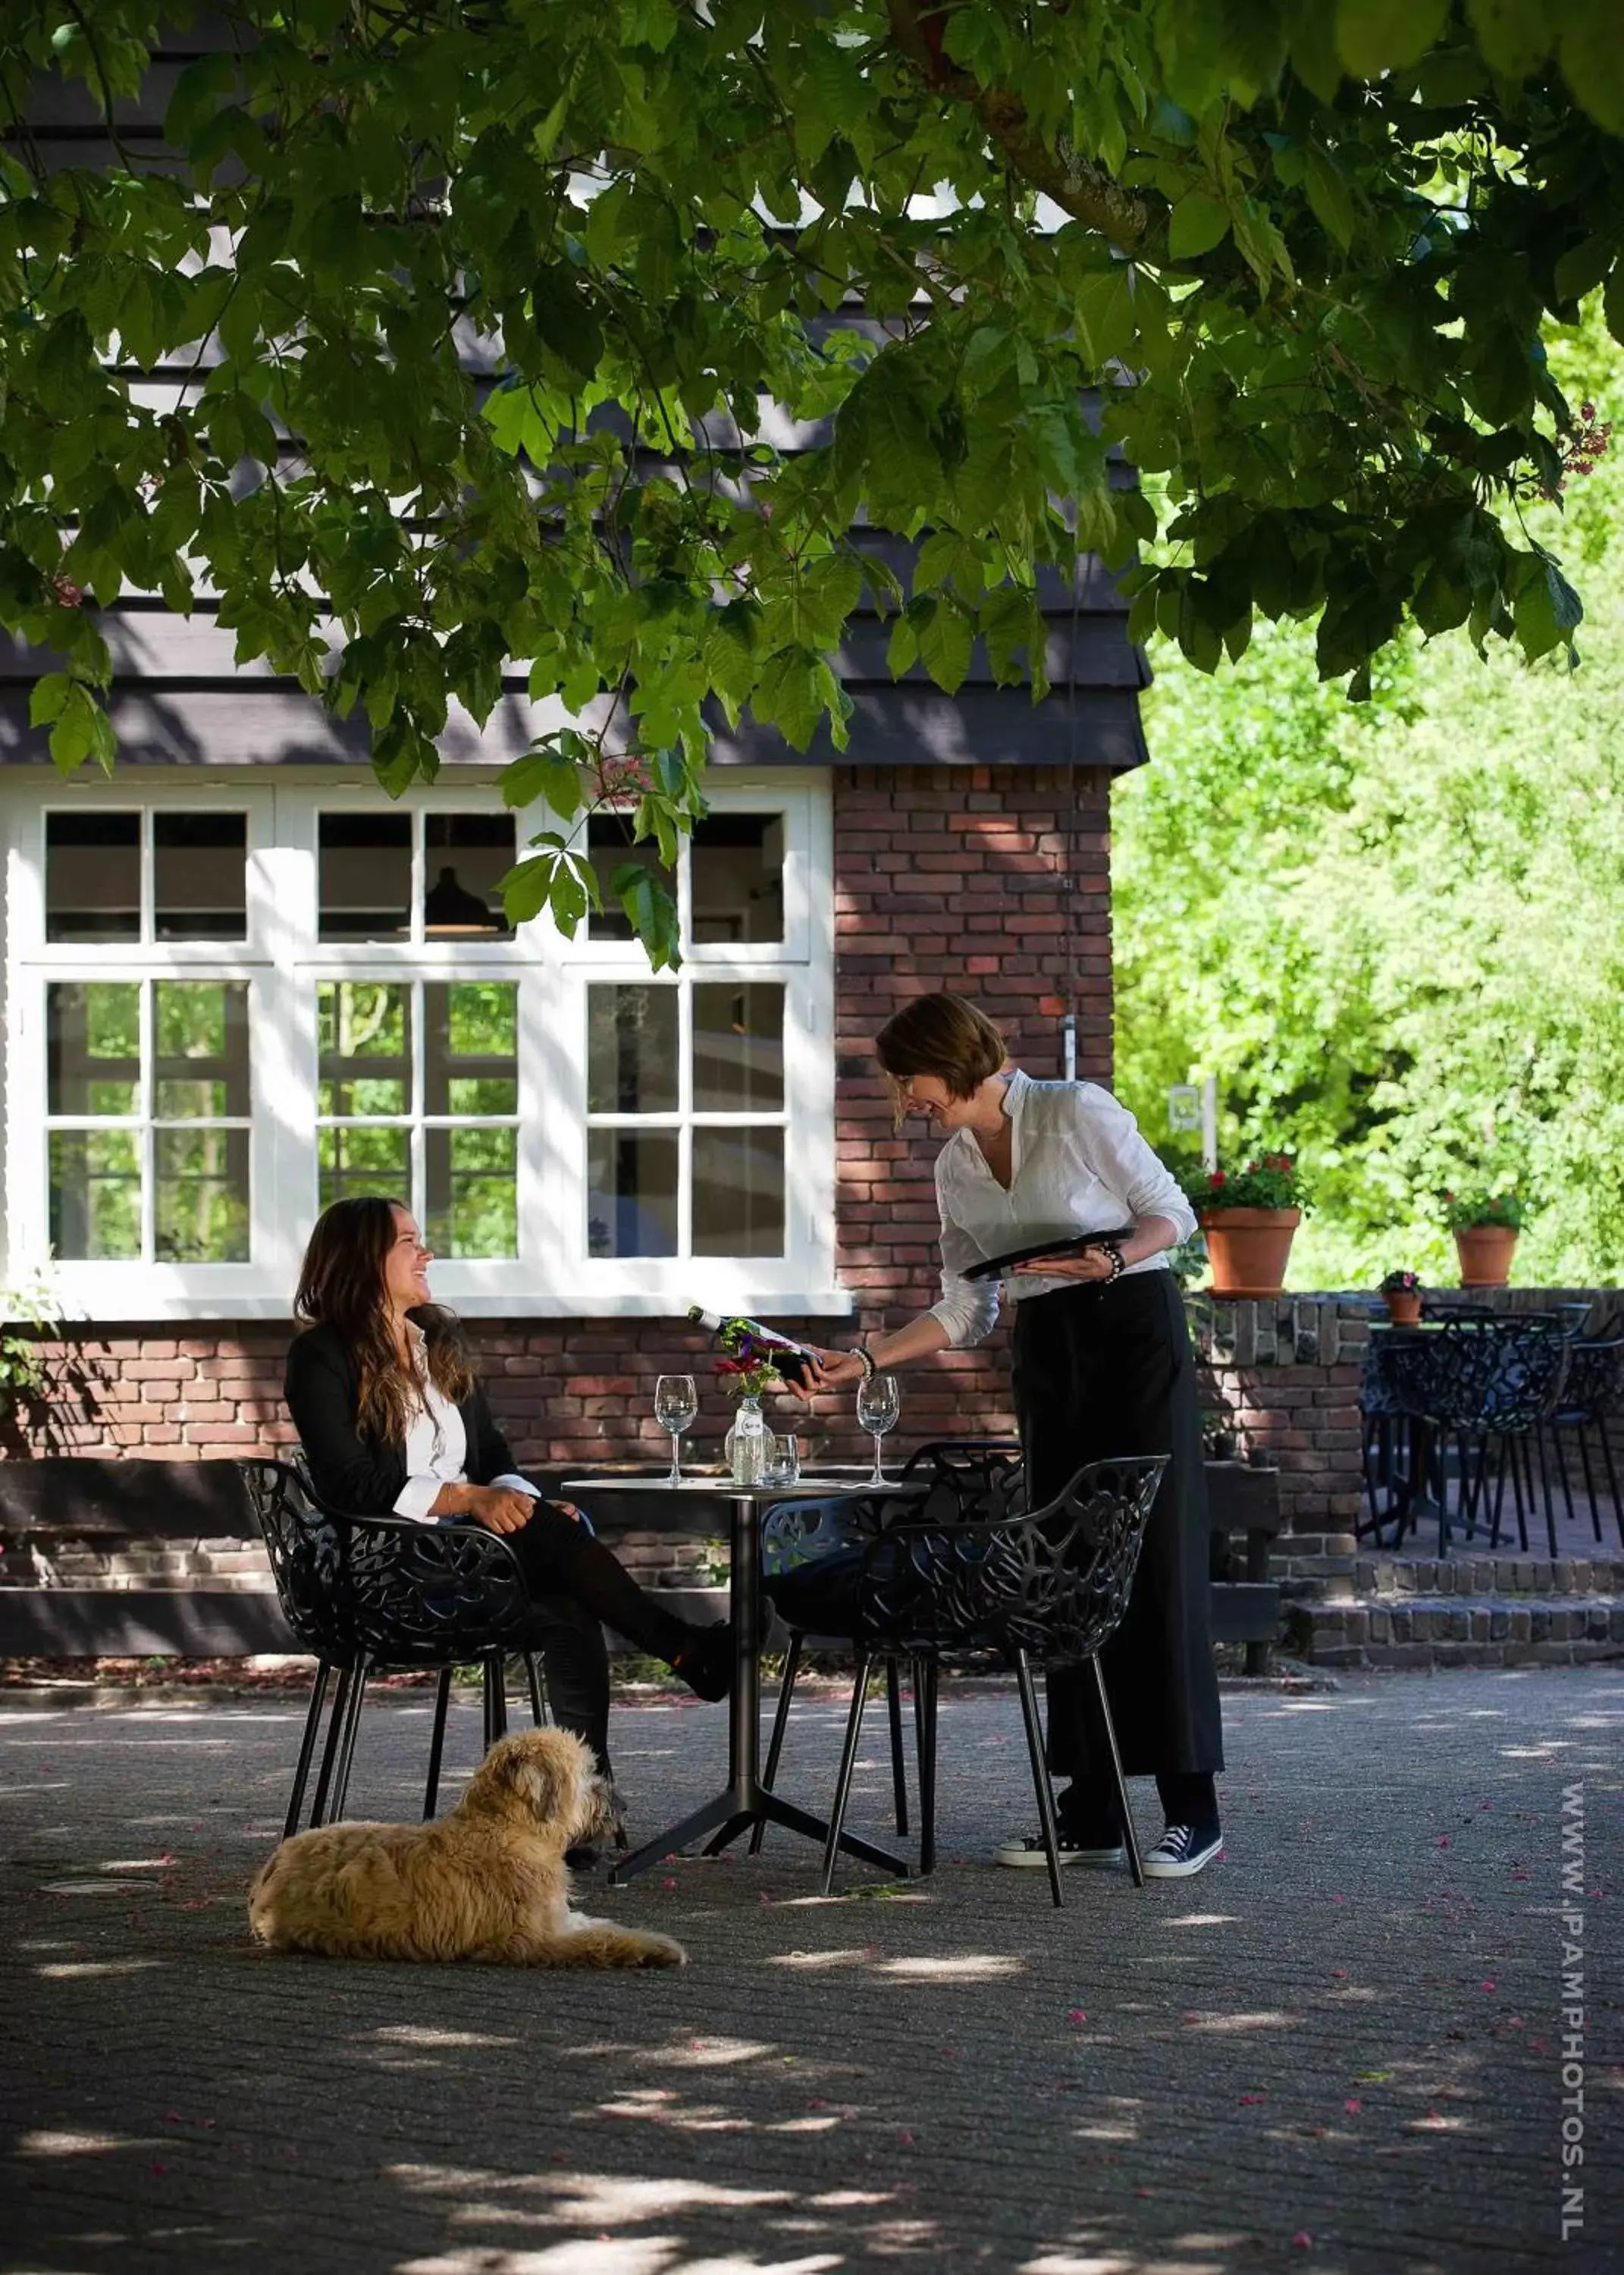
{"x": 1486, "y": 1227}
{"x": 1402, "y": 1293}
{"x": 1248, "y": 1216}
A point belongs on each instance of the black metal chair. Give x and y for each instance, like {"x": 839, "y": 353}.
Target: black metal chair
{"x": 966, "y": 1477}
{"x": 1048, "y": 1585}
{"x": 1486, "y": 1383}
{"x": 362, "y": 1593}
{"x": 1592, "y": 1391}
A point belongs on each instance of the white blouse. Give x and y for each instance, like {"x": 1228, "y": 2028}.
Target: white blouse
{"x": 437, "y": 1447}
{"x": 1079, "y": 1165}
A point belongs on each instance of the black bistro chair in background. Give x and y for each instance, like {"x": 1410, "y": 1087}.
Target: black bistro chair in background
{"x": 1045, "y": 1587}
{"x": 363, "y": 1594}
{"x": 1592, "y": 1393}
{"x": 1487, "y": 1384}
{"x": 966, "y": 1478}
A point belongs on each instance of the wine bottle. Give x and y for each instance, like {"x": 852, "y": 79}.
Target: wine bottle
{"x": 790, "y": 1358}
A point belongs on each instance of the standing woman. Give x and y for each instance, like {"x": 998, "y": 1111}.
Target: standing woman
{"x": 1102, "y": 1367}
{"x": 393, "y": 1421}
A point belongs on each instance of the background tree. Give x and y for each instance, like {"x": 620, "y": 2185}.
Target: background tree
{"x": 1306, "y": 251}
{"x": 1392, "y": 932}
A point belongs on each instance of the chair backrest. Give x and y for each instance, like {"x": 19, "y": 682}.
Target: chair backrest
{"x": 1595, "y": 1382}
{"x": 408, "y": 1594}
{"x": 306, "y": 1558}
{"x": 968, "y": 1478}
{"x": 1504, "y": 1375}
{"x": 1054, "y": 1583}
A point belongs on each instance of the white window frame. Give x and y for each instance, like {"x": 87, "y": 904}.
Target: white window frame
{"x": 283, "y": 960}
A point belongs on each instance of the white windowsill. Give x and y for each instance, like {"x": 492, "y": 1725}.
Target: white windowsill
{"x": 113, "y": 1308}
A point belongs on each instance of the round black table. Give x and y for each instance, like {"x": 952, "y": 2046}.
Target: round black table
{"x": 743, "y": 1803}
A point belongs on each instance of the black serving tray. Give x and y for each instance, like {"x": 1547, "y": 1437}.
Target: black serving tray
{"x": 1073, "y": 1247}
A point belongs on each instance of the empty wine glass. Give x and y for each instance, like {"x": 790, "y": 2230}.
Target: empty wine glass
{"x": 676, "y": 1403}
{"x": 879, "y": 1405}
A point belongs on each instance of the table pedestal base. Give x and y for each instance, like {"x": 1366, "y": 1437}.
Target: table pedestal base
{"x": 732, "y": 1814}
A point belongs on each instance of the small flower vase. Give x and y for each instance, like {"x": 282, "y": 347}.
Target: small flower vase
{"x": 1403, "y": 1306}
{"x": 746, "y": 1444}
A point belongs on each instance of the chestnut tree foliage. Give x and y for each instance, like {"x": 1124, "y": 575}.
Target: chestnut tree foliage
{"x": 745, "y": 278}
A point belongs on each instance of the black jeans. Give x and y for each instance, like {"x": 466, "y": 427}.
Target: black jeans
{"x": 575, "y": 1585}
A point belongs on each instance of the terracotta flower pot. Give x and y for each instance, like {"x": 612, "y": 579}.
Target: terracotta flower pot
{"x": 1486, "y": 1251}
{"x": 1248, "y": 1248}
{"x": 1403, "y": 1306}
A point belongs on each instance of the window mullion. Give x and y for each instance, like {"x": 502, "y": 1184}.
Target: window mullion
{"x": 146, "y": 1096}
{"x": 419, "y": 1094}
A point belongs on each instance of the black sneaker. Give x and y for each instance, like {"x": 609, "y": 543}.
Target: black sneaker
{"x": 1183, "y": 1849}
{"x": 705, "y": 1661}
{"x": 1025, "y": 1851}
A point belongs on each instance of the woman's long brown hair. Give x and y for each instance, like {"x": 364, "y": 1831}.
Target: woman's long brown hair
{"x": 341, "y": 1286}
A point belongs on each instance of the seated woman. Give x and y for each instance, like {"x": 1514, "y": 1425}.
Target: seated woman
{"x": 383, "y": 1391}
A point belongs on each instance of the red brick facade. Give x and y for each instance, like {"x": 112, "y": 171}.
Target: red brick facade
{"x": 994, "y": 881}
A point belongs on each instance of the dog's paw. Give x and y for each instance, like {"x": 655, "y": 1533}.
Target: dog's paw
{"x": 659, "y": 1951}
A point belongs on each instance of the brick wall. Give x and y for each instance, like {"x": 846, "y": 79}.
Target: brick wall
{"x": 993, "y": 881}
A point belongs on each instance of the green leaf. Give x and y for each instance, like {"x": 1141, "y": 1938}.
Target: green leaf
{"x": 945, "y": 646}
{"x": 1328, "y": 194}
{"x": 652, "y": 912}
{"x": 1373, "y": 36}
{"x": 1198, "y": 223}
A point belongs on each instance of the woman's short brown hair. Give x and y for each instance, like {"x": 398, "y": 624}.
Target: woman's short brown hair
{"x": 945, "y": 1036}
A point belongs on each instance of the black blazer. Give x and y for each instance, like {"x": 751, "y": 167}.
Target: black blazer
{"x": 322, "y": 1383}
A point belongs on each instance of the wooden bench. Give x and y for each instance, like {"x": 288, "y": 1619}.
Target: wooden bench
{"x": 101, "y": 1501}
{"x": 107, "y": 1502}
{"x": 1246, "y": 1518}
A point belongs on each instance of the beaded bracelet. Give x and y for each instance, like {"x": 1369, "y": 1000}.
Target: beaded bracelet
{"x": 1115, "y": 1254}
{"x": 866, "y": 1357}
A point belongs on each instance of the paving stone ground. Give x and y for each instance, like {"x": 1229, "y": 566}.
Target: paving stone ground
{"x": 1341, "y": 2048}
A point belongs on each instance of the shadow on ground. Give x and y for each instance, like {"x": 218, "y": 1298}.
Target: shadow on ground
{"x": 1340, "y": 2048}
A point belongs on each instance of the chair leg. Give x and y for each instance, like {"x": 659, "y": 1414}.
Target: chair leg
{"x": 1041, "y": 1787}
{"x": 1559, "y": 1458}
{"x": 352, "y": 1723}
{"x": 899, "y": 1775}
{"x": 307, "y": 1747}
{"x": 329, "y": 1752}
{"x": 538, "y": 1697}
{"x": 848, "y": 1763}
{"x": 926, "y": 1675}
{"x": 1539, "y": 1446}
{"x": 1584, "y": 1435}
{"x": 436, "y": 1744}
{"x": 781, "y": 1723}
{"x": 496, "y": 1699}
{"x": 1128, "y": 1834}
{"x": 1613, "y": 1475}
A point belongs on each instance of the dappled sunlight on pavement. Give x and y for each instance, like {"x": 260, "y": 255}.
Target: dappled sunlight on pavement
{"x": 1337, "y": 2050}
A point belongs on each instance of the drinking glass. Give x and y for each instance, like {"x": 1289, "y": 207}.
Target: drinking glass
{"x": 784, "y": 1462}
{"x": 676, "y": 1403}
{"x": 879, "y": 1405}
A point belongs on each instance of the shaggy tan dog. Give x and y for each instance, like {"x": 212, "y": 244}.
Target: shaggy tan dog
{"x": 487, "y": 1882}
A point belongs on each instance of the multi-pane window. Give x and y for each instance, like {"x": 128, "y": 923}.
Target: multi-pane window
{"x": 417, "y": 1098}
{"x": 414, "y": 876}
{"x": 224, "y": 1012}
{"x": 686, "y": 1122}
{"x": 149, "y": 1106}
{"x": 172, "y": 875}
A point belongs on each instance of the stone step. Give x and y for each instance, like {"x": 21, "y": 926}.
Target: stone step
{"x": 1470, "y": 1575}
{"x": 1442, "y": 1630}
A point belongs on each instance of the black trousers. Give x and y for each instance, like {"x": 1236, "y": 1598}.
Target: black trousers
{"x": 575, "y": 1584}
{"x": 1101, "y": 1370}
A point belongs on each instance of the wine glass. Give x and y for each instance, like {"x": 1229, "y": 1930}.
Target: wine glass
{"x": 879, "y": 1405}
{"x": 676, "y": 1403}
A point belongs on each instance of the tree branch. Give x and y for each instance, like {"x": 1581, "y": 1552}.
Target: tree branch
{"x": 1077, "y": 184}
